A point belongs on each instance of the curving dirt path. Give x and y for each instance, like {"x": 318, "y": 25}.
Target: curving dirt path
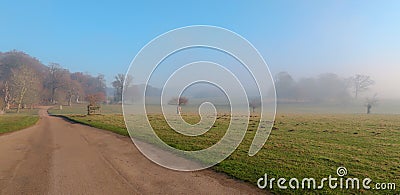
{"x": 59, "y": 157}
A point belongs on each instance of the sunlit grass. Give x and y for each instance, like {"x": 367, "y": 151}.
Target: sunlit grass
{"x": 12, "y": 121}
{"x": 301, "y": 145}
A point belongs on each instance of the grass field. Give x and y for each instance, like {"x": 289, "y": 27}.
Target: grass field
{"x": 300, "y": 146}
{"x": 13, "y": 121}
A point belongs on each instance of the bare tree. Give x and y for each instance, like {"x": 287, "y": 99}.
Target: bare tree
{"x": 23, "y": 83}
{"x": 94, "y": 102}
{"x": 360, "y": 83}
{"x": 88, "y": 84}
{"x": 118, "y": 84}
{"x": 73, "y": 89}
{"x": 6, "y": 95}
{"x": 55, "y": 80}
{"x": 370, "y": 102}
{"x": 285, "y": 86}
{"x": 100, "y": 85}
{"x": 2, "y": 109}
{"x": 2, "y": 103}
{"x": 181, "y": 101}
{"x": 254, "y": 103}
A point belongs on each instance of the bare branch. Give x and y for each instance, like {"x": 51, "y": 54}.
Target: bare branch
{"x": 361, "y": 83}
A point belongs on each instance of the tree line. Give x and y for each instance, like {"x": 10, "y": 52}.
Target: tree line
{"x": 325, "y": 88}
{"x": 26, "y": 82}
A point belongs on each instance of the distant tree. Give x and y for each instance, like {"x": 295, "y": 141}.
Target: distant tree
{"x": 181, "y": 101}
{"x": 2, "y": 103}
{"x": 73, "y": 89}
{"x": 94, "y": 102}
{"x": 100, "y": 84}
{"x": 307, "y": 90}
{"x": 254, "y": 103}
{"x": 360, "y": 83}
{"x": 23, "y": 83}
{"x": 118, "y": 84}
{"x": 95, "y": 99}
{"x": 285, "y": 86}
{"x": 33, "y": 95}
{"x": 331, "y": 88}
{"x": 326, "y": 87}
{"x": 2, "y": 109}
{"x": 370, "y": 102}
{"x": 89, "y": 84}
{"x": 56, "y": 79}
{"x": 6, "y": 95}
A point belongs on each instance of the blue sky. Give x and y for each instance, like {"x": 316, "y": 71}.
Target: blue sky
{"x": 305, "y": 38}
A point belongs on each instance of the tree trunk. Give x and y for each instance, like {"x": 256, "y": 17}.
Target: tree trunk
{"x": 19, "y": 107}
{"x": 70, "y": 101}
{"x": 7, "y": 98}
{"x": 21, "y": 98}
{"x": 53, "y": 94}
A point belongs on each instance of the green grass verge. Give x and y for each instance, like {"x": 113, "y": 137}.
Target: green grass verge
{"x": 13, "y": 121}
{"x": 303, "y": 145}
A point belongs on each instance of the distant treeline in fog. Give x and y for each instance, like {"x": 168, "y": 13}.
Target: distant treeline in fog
{"x": 325, "y": 88}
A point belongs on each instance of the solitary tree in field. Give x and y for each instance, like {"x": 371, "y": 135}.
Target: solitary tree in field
{"x": 254, "y": 103}
{"x": 360, "y": 83}
{"x": 181, "y": 101}
{"x": 370, "y": 102}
